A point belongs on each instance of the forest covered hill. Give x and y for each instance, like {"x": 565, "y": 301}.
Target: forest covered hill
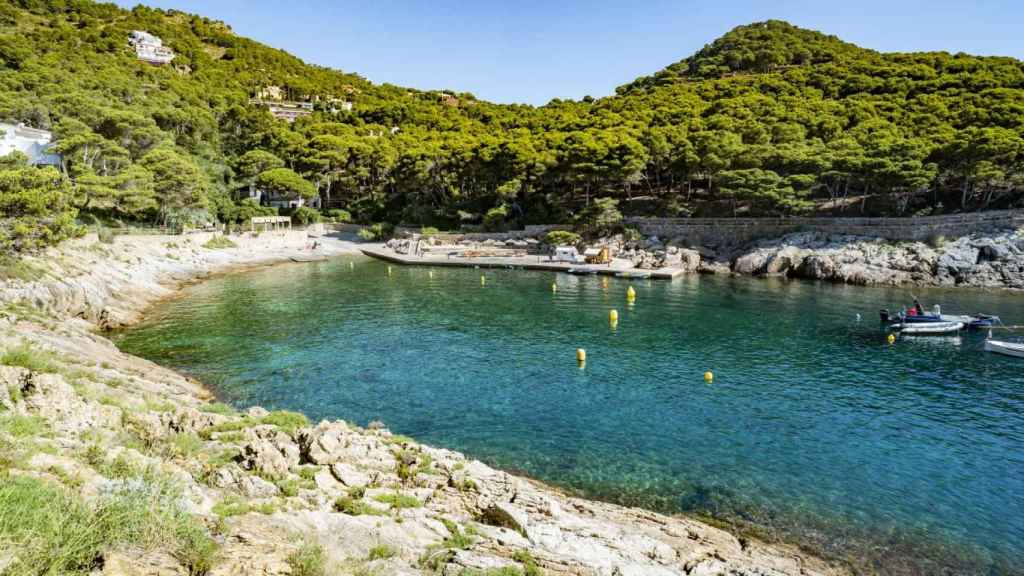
{"x": 769, "y": 119}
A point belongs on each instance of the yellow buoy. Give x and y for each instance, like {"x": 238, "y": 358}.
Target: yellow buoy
{"x": 430, "y": 273}
{"x": 630, "y": 293}
{"x": 891, "y": 339}
{"x": 389, "y": 270}
{"x": 581, "y": 355}
{"x": 483, "y": 280}
{"x": 613, "y": 316}
{"x": 709, "y": 377}
{"x": 351, "y": 265}
{"x": 554, "y": 287}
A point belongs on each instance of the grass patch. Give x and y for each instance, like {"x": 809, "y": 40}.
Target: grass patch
{"x": 231, "y": 506}
{"x": 355, "y": 507}
{"x": 287, "y": 421}
{"x": 17, "y": 269}
{"x": 308, "y": 560}
{"x": 27, "y": 356}
{"x": 528, "y": 561}
{"x": 219, "y": 408}
{"x": 184, "y": 445}
{"x": 398, "y": 501}
{"x": 381, "y": 552}
{"x": 20, "y": 426}
{"x": 219, "y": 242}
{"x": 52, "y": 531}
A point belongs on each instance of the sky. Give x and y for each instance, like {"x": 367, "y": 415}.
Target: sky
{"x": 531, "y": 51}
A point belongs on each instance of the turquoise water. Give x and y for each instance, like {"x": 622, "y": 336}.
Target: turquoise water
{"x": 906, "y": 459}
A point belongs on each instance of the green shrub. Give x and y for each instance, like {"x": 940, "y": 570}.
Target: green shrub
{"x": 106, "y": 235}
{"x": 14, "y": 268}
{"x": 398, "y": 501}
{"x": 308, "y": 560}
{"x": 219, "y": 408}
{"x": 37, "y": 207}
{"x": 305, "y": 215}
{"x": 27, "y": 356}
{"x": 601, "y": 217}
{"x": 355, "y": 507}
{"x": 381, "y": 552}
{"x": 185, "y": 445}
{"x": 52, "y": 531}
{"x": 494, "y": 219}
{"x": 231, "y": 506}
{"x": 562, "y": 238}
{"x": 219, "y": 242}
{"x": 376, "y": 232}
{"x": 528, "y": 561}
{"x": 20, "y": 426}
{"x": 428, "y": 231}
{"x": 285, "y": 420}
{"x": 339, "y": 215}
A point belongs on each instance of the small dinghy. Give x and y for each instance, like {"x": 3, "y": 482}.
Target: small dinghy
{"x": 924, "y": 328}
{"x": 1001, "y": 347}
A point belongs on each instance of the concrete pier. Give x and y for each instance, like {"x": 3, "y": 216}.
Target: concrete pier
{"x": 618, "y": 267}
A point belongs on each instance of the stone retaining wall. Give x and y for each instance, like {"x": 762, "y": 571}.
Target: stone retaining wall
{"x": 740, "y": 230}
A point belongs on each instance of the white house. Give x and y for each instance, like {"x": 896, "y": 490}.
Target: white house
{"x": 150, "y": 48}
{"x": 31, "y": 142}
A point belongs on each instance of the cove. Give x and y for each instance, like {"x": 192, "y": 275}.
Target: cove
{"x": 904, "y": 459}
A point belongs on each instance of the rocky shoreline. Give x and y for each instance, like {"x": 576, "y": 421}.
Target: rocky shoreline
{"x": 982, "y": 260}
{"x": 275, "y": 493}
{"x": 985, "y": 259}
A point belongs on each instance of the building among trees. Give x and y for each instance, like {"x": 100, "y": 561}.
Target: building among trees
{"x": 32, "y": 142}
{"x": 150, "y": 48}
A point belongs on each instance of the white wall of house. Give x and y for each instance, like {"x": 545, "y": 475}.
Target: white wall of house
{"x": 31, "y": 142}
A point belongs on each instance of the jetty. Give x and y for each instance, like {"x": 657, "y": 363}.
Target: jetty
{"x": 617, "y": 267}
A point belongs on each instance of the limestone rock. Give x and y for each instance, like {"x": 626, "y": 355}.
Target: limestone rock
{"x": 507, "y": 516}
{"x": 349, "y": 475}
{"x": 269, "y": 452}
{"x": 141, "y": 564}
{"x": 323, "y": 444}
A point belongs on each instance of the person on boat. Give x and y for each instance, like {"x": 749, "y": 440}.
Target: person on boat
{"x": 912, "y": 311}
{"x": 918, "y": 309}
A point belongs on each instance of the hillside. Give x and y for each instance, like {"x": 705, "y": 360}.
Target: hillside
{"x": 770, "y": 119}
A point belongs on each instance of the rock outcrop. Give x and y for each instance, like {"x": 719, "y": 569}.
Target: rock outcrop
{"x": 993, "y": 260}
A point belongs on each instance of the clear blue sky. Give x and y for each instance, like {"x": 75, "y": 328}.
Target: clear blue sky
{"x": 532, "y": 50}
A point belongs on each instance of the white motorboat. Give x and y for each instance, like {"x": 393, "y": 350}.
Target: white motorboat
{"x": 921, "y": 328}
{"x": 1007, "y": 348}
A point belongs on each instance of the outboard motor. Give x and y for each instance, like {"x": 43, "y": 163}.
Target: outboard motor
{"x": 884, "y": 314}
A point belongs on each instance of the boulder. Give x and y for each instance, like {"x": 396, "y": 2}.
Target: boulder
{"x": 817, "y": 267}
{"x": 752, "y": 263}
{"x": 689, "y": 260}
{"x": 262, "y": 457}
{"x": 269, "y": 452}
{"x": 784, "y": 260}
{"x": 323, "y": 444}
{"x": 505, "y": 515}
{"x": 349, "y": 475}
{"x": 256, "y": 487}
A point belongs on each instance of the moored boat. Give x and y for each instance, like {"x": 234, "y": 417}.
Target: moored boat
{"x": 922, "y": 328}
{"x": 1006, "y": 348}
